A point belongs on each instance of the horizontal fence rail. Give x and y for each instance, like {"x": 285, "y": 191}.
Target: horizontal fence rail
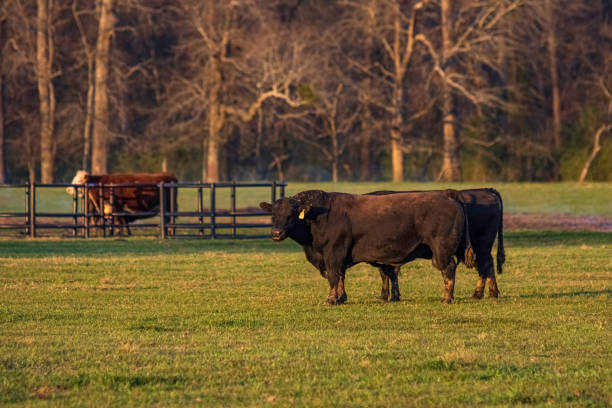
{"x": 110, "y": 209}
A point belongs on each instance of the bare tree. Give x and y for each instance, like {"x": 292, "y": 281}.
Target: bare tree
{"x": 217, "y": 48}
{"x": 101, "y": 133}
{"x": 551, "y": 42}
{"x": 46, "y": 91}
{"x": 605, "y": 127}
{"x": 89, "y": 52}
{"x": 467, "y": 50}
{"x": 3, "y": 175}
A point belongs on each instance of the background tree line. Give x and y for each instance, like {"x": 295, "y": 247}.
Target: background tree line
{"x": 307, "y": 89}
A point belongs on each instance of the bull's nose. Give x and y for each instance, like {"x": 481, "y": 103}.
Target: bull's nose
{"x": 276, "y": 234}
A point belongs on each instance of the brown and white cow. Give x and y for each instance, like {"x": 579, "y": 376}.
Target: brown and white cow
{"x": 139, "y": 199}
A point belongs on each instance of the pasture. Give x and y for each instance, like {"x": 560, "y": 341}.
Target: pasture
{"x": 143, "y": 322}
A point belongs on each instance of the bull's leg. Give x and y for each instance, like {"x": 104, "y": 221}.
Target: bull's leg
{"x": 492, "y": 282}
{"x": 480, "y": 285}
{"x": 391, "y": 274}
{"x": 448, "y": 275}
{"x": 384, "y": 291}
{"x": 485, "y": 268}
{"x": 337, "y": 295}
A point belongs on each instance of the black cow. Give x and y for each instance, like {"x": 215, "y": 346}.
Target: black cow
{"x": 485, "y": 212}
{"x": 339, "y": 230}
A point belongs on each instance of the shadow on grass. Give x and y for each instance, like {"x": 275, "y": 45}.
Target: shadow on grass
{"x": 537, "y": 238}
{"x": 607, "y": 292}
{"x": 26, "y": 248}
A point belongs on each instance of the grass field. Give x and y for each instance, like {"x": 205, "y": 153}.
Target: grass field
{"x": 140, "y": 322}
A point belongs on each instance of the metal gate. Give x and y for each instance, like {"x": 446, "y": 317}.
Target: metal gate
{"x": 206, "y": 220}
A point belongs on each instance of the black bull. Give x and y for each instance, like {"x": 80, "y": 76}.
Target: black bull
{"x": 485, "y": 211}
{"x": 339, "y": 230}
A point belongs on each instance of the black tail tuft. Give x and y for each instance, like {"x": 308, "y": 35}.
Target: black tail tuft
{"x": 501, "y": 254}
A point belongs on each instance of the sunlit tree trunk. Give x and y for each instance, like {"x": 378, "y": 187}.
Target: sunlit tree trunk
{"x": 46, "y": 92}
{"x": 215, "y": 123}
{"x": 397, "y": 155}
{"x": 451, "y": 160}
{"x": 100, "y": 136}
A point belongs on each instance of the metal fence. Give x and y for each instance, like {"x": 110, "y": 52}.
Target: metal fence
{"x": 206, "y": 221}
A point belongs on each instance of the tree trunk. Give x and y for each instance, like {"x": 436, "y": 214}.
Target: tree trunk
{"x": 3, "y": 175}
{"x": 451, "y": 160}
{"x": 260, "y": 166}
{"x": 366, "y": 150}
{"x": 335, "y": 155}
{"x": 88, "y": 115}
{"x": 554, "y": 76}
{"x": 397, "y": 155}
{"x": 100, "y": 136}
{"x": 46, "y": 92}
{"x": 216, "y": 117}
{"x": 596, "y": 149}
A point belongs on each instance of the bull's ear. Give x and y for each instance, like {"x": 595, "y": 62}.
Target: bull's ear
{"x": 265, "y": 206}
{"x": 303, "y": 210}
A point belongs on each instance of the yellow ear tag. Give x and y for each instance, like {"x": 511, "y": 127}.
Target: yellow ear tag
{"x": 302, "y": 214}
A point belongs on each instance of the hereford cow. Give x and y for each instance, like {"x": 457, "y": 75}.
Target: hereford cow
{"x": 129, "y": 201}
{"x": 339, "y": 230}
{"x": 485, "y": 212}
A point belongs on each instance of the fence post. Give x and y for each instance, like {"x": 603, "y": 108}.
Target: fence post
{"x": 75, "y": 209}
{"x": 282, "y": 188}
{"x": 233, "y": 209}
{"x": 213, "y": 229}
{"x": 26, "y": 208}
{"x": 86, "y": 210}
{"x": 201, "y": 208}
{"x": 112, "y": 211}
{"x": 162, "y": 211}
{"x": 32, "y": 209}
{"x": 101, "y": 210}
{"x": 173, "y": 193}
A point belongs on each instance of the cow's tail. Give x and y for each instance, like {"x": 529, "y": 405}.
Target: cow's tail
{"x": 501, "y": 254}
{"x": 469, "y": 256}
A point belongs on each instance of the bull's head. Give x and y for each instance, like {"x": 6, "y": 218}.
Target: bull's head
{"x": 79, "y": 178}
{"x": 286, "y": 213}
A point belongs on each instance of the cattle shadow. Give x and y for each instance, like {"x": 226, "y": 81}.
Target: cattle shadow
{"x": 134, "y": 246}
{"x": 544, "y": 238}
{"x": 577, "y": 293}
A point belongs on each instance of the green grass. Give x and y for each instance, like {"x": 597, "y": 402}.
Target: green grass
{"x": 141, "y": 322}
{"x": 588, "y": 198}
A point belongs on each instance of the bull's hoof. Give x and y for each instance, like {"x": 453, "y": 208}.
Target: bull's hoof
{"x": 478, "y": 295}
{"x": 394, "y": 299}
{"x": 446, "y": 300}
{"x": 332, "y": 300}
{"x": 493, "y": 295}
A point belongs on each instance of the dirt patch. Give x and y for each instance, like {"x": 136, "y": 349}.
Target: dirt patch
{"x": 561, "y": 222}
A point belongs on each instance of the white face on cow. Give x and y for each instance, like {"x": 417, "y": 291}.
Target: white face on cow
{"x": 79, "y": 178}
